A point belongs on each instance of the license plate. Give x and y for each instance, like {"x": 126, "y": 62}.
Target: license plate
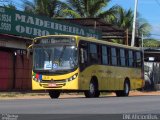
{"x": 52, "y": 85}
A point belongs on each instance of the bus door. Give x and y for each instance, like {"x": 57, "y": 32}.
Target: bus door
{"x": 83, "y": 63}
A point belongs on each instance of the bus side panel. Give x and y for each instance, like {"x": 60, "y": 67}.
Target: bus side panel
{"x": 110, "y": 77}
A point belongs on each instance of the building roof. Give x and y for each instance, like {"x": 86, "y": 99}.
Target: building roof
{"x": 152, "y": 52}
{"x": 109, "y": 31}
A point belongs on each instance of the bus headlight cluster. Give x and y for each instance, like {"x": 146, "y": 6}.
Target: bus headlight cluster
{"x": 72, "y": 78}
{"x": 36, "y": 79}
{"x": 33, "y": 77}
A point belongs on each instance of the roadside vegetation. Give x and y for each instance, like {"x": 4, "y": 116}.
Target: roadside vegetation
{"x": 21, "y": 94}
{"x": 151, "y": 43}
{"x": 115, "y": 14}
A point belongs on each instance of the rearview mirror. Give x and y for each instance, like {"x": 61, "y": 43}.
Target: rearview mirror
{"x": 29, "y": 51}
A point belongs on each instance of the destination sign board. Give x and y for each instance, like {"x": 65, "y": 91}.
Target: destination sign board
{"x": 53, "y": 40}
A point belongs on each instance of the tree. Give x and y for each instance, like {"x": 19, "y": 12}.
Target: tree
{"x": 10, "y": 6}
{"x": 50, "y": 8}
{"x": 151, "y": 43}
{"x": 89, "y": 9}
{"x": 124, "y": 19}
{"x": 143, "y": 27}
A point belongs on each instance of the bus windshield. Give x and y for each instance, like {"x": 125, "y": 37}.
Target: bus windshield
{"x": 55, "y": 59}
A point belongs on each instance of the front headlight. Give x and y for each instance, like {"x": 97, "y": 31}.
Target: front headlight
{"x": 72, "y": 78}
{"x": 33, "y": 77}
{"x": 37, "y": 77}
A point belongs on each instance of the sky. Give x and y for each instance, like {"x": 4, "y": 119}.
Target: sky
{"x": 148, "y": 9}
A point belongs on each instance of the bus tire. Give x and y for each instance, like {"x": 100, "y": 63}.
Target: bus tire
{"x": 54, "y": 94}
{"x": 97, "y": 94}
{"x": 93, "y": 90}
{"x": 118, "y": 93}
{"x": 125, "y": 91}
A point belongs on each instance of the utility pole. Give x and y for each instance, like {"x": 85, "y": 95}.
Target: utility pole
{"x": 134, "y": 23}
{"x": 142, "y": 45}
{"x": 142, "y": 41}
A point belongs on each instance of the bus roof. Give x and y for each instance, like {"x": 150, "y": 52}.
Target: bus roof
{"x": 91, "y": 39}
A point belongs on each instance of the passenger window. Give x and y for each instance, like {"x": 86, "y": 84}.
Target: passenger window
{"x": 130, "y": 55}
{"x": 93, "y": 53}
{"x": 122, "y": 57}
{"x": 104, "y": 55}
{"x": 113, "y": 56}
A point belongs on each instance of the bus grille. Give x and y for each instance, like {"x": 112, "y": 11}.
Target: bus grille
{"x": 55, "y": 81}
{"x": 59, "y": 83}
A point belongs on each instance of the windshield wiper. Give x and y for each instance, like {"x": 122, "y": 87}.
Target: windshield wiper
{"x": 45, "y": 51}
{"x": 59, "y": 59}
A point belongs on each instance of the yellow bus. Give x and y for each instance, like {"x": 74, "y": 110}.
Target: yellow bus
{"x": 70, "y": 63}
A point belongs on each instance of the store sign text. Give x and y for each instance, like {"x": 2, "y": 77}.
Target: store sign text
{"x": 20, "y": 23}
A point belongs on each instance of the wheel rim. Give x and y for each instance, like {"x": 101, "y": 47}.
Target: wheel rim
{"x": 126, "y": 88}
{"x": 92, "y": 88}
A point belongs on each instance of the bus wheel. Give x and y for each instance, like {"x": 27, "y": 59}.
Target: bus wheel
{"x": 93, "y": 90}
{"x": 54, "y": 94}
{"x": 125, "y": 91}
{"x": 118, "y": 93}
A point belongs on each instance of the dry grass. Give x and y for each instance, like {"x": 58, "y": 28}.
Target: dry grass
{"x": 7, "y": 95}
{"x": 25, "y": 95}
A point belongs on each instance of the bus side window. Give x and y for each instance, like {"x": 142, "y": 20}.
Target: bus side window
{"x": 126, "y": 57}
{"x": 134, "y": 59}
{"x": 93, "y": 54}
{"x": 99, "y": 54}
{"x": 113, "y": 56}
{"x": 122, "y": 57}
{"x": 118, "y": 56}
{"x": 130, "y": 56}
{"x": 109, "y": 55}
{"x": 104, "y": 55}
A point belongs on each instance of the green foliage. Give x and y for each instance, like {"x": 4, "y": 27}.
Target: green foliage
{"x": 11, "y": 6}
{"x": 144, "y": 27}
{"x": 124, "y": 19}
{"x": 49, "y": 8}
{"x": 115, "y": 15}
{"x": 89, "y": 9}
{"x": 119, "y": 41}
{"x": 151, "y": 43}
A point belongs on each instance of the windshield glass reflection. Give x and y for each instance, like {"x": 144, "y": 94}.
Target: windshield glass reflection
{"x": 55, "y": 58}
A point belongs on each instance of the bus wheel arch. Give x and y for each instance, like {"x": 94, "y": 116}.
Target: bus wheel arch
{"x": 93, "y": 88}
{"x": 127, "y": 86}
{"x": 126, "y": 89}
